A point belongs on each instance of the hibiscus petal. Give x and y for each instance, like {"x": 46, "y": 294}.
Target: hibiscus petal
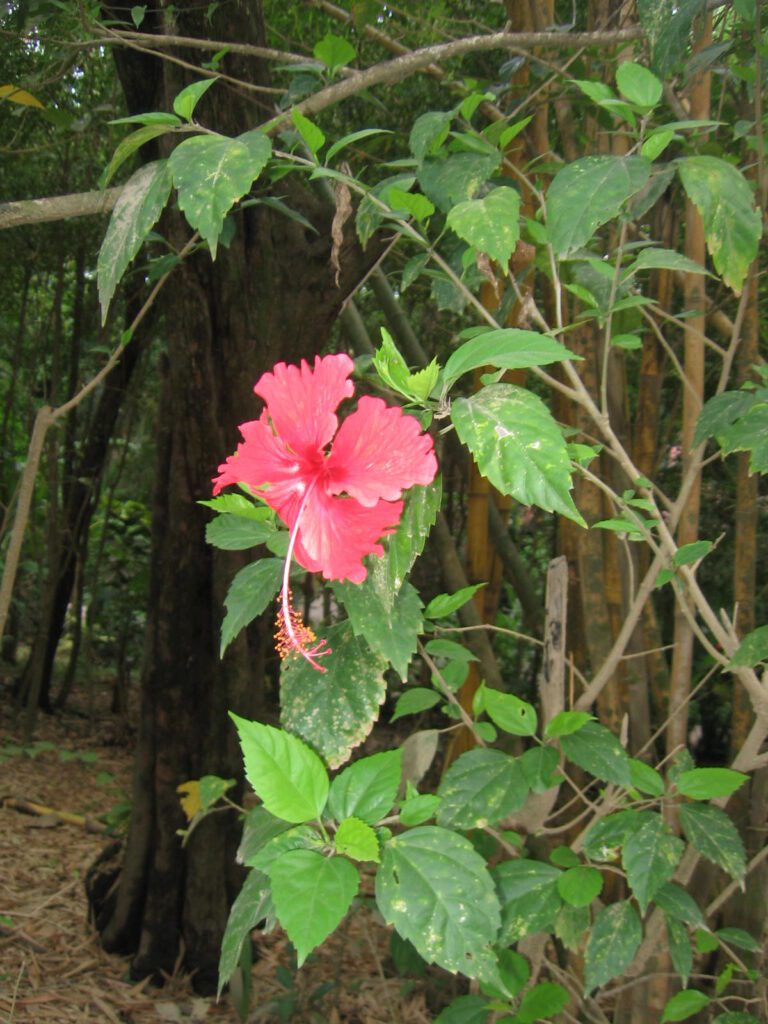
{"x": 378, "y": 453}
{"x": 302, "y": 401}
{"x": 335, "y": 534}
{"x": 261, "y": 458}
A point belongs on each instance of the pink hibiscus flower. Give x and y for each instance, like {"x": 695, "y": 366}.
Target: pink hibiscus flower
{"x": 337, "y": 503}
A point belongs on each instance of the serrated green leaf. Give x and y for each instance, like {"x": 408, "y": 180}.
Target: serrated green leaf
{"x": 752, "y": 650}
{"x": 638, "y": 84}
{"x": 211, "y": 173}
{"x": 238, "y": 505}
{"x": 710, "y": 831}
{"x": 595, "y": 749}
{"x": 357, "y": 840}
{"x": 720, "y": 412}
{"x": 650, "y": 857}
{"x": 518, "y": 446}
{"x": 708, "y": 783}
{"x": 414, "y": 700}
{"x": 212, "y": 788}
{"x": 288, "y": 777}
{"x": 684, "y": 1004}
{"x": 233, "y": 533}
{"x": 334, "y": 713}
{"x": 566, "y": 722}
{"x": 186, "y": 101}
{"x": 490, "y": 224}
{"x": 252, "y": 589}
{"x": 588, "y": 193}
{"x": 435, "y": 889}
{"x": 529, "y": 897}
{"x": 448, "y": 180}
{"x": 606, "y": 837}
{"x": 259, "y": 827}
{"x": 481, "y": 787}
{"x": 252, "y": 904}
{"x": 419, "y": 809}
{"x": 368, "y": 788}
{"x": 412, "y": 204}
{"x": 429, "y": 131}
{"x": 508, "y": 348}
{"x": 679, "y": 947}
{"x": 300, "y": 837}
{"x": 137, "y": 209}
{"x": 613, "y": 942}
{"x": 402, "y": 548}
{"x": 389, "y": 623}
{"x": 311, "y": 893}
{"x": 750, "y": 434}
{"x": 539, "y": 766}
{"x": 725, "y": 201}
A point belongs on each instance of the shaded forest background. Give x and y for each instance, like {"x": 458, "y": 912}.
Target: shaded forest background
{"x": 116, "y": 579}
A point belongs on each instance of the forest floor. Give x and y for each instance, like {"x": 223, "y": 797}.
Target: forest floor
{"x": 52, "y": 969}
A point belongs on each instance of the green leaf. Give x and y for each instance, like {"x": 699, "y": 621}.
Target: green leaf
{"x": 238, "y": 505}
{"x": 706, "y": 942}
{"x": 368, "y": 788}
{"x": 668, "y": 27}
{"x": 300, "y": 837}
{"x": 588, "y": 193}
{"x": 606, "y": 837}
{"x": 137, "y": 209}
{"x": 564, "y": 857}
{"x": 434, "y": 888}
{"x": 252, "y": 905}
{"x": 443, "y": 605}
{"x": 259, "y": 828}
{"x": 735, "y": 1017}
{"x": 450, "y": 649}
{"x": 750, "y": 434}
{"x": 546, "y": 999}
{"x": 708, "y": 783}
{"x": 490, "y": 224}
{"x": 507, "y": 711}
{"x": 650, "y": 857}
{"x": 613, "y": 942}
{"x": 334, "y": 51}
{"x": 720, "y": 412}
{"x": 412, "y": 204}
{"x": 311, "y": 893}
{"x": 233, "y": 533}
{"x": 579, "y": 886}
{"x": 128, "y": 147}
{"x": 566, "y": 722}
{"x": 664, "y": 259}
{"x": 348, "y": 140}
{"x": 690, "y": 553}
{"x": 739, "y": 938}
{"x": 710, "y": 831}
{"x": 153, "y": 117}
{"x": 456, "y": 178}
{"x": 645, "y": 778}
{"x": 676, "y": 902}
{"x": 732, "y": 225}
{"x": 250, "y": 592}
{"x": 465, "y": 1010}
{"x": 357, "y": 840}
{"x": 313, "y": 136}
{"x": 529, "y": 897}
{"x": 414, "y": 700}
{"x": 402, "y": 548}
{"x": 212, "y": 788}
{"x": 481, "y": 787}
{"x": 508, "y": 348}
{"x": 656, "y": 143}
{"x": 684, "y": 1004}
{"x": 419, "y": 809}
{"x": 539, "y": 766}
{"x": 638, "y": 84}
{"x": 390, "y": 624}
{"x": 752, "y": 650}
{"x": 570, "y": 925}
{"x": 518, "y": 446}
{"x": 595, "y": 749}
{"x": 335, "y": 712}
{"x": 185, "y": 103}
{"x": 679, "y": 947}
{"x": 429, "y": 132}
{"x": 288, "y": 777}
{"x": 211, "y": 173}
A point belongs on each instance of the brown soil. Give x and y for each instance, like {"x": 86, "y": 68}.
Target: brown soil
{"x": 51, "y": 966}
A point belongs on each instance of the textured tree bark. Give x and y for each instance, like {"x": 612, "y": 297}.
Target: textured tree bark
{"x": 269, "y": 295}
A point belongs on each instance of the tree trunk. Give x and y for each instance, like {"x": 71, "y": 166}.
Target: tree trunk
{"x": 270, "y": 295}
